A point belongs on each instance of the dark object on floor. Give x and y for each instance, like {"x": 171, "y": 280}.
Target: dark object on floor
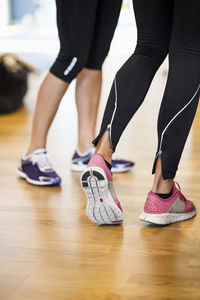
{"x": 13, "y": 82}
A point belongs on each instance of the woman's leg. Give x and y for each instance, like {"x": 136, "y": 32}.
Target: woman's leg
{"x": 132, "y": 81}
{"x": 166, "y": 204}
{"x": 75, "y": 36}
{"x": 88, "y": 85}
{"x": 75, "y": 27}
{"x": 88, "y": 89}
{"x": 127, "y": 94}
{"x": 181, "y": 95}
{"x": 89, "y": 81}
{"x": 160, "y": 185}
{"x": 49, "y": 97}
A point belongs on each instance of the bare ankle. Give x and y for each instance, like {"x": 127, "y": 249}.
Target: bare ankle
{"x": 84, "y": 148}
{"x": 162, "y": 186}
{"x": 31, "y": 149}
{"x": 106, "y": 156}
{"x": 104, "y": 148}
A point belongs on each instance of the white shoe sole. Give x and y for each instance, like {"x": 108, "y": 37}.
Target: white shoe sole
{"x": 101, "y": 208}
{"x": 31, "y": 181}
{"x": 168, "y": 218}
{"x": 121, "y": 170}
{"x": 82, "y": 168}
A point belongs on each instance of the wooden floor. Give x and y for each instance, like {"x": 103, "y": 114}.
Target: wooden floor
{"x": 49, "y": 250}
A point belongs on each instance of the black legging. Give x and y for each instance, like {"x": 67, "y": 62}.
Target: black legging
{"x": 164, "y": 27}
{"x": 86, "y": 29}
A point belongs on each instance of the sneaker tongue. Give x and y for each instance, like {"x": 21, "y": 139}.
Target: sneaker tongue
{"x": 42, "y": 160}
{"x": 46, "y": 168}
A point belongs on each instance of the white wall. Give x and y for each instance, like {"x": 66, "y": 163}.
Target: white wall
{"x": 4, "y": 12}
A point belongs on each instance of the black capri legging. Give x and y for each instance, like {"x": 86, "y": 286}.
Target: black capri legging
{"x": 164, "y": 27}
{"x": 85, "y": 28}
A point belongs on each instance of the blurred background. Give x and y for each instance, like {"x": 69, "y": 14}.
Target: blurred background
{"x": 29, "y": 29}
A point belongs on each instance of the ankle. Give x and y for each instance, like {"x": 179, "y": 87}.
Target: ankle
{"x": 33, "y": 149}
{"x": 84, "y": 148}
{"x": 107, "y": 156}
{"x": 165, "y": 196}
{"x": 30, "y": 151}
{"x": 163, "y": 186}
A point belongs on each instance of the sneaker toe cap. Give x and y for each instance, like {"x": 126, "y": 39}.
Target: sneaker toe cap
{"x": 55, "y": 180}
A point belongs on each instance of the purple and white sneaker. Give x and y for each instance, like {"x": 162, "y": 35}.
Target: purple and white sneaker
{"x": 120, "y": 165}
{"x": 81, "y": 160}
{"x": 37, "y": 169}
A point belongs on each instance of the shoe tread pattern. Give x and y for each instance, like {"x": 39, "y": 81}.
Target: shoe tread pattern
{"x": 101, "y": 208}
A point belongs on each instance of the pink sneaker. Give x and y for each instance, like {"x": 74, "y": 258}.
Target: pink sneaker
{"x": 102, "y": 206}
{"x": 166, "y": 211}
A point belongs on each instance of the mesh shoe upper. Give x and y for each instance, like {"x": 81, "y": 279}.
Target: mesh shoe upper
{"x": 38, "y": 167}
{"x": 177, "y": 203}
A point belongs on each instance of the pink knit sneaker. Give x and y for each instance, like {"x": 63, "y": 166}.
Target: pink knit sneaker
{"x": 166, "y": 211}
{"x": 102, "y": 206}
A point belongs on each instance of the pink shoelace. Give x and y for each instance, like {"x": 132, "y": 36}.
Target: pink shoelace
{"x": 179, "y": 189}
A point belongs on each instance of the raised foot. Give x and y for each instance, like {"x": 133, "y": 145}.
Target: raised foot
{"x": 101, "y": 207}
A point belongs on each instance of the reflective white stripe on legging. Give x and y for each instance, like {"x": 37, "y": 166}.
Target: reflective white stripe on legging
{"x": 71, "y": 65}
{"x": 115, "y": 83}
{"x": 162, "y": 135}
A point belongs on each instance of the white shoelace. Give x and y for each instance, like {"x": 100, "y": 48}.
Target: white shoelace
{"x": 43, "y": 161}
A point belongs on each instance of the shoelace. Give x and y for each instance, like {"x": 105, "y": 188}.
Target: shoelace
{"x": 43, "y": 161}
{"x": 179, "y": 188}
